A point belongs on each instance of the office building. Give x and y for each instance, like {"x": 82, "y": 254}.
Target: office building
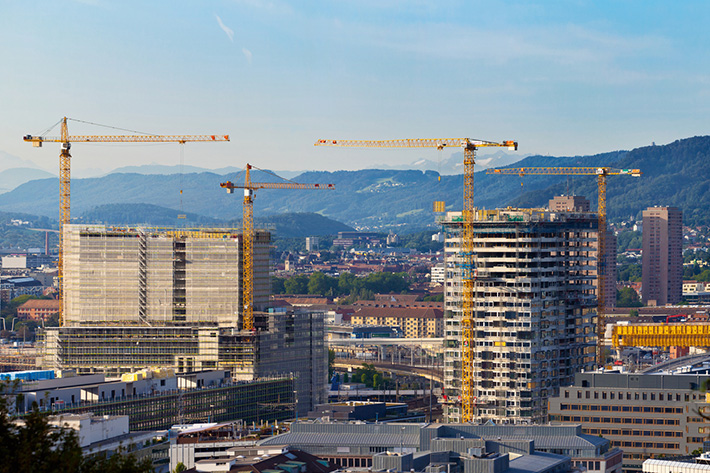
{"x": 534, "y": 299}
{"x": 171, "y": 298}
{"x": 645, "y": 415}
{"x": 662, "y": 257}
{"x": 158, "y": 399}
{"x": 158, "y": 277}
{"x": 357, "y": 445}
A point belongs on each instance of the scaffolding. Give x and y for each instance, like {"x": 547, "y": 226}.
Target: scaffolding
{"x": 157, "y": 276}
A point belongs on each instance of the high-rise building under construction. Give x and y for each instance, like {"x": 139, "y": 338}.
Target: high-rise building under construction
{"x": 534, "y": 303}
{"x": 147, "y": 297}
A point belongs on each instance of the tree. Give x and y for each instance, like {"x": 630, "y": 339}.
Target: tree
{"x": 180, "y": 467}
{"x": 34, "y": 446}
{"x": 278, "y": 285}
{"x": 627, "y": 297}
{"x": 321, "y": 284}
{"x": 296, "y": 285}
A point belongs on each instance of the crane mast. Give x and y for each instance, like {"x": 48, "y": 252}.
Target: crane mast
{"x": 65, "y": 174}
{"x": 601, "y": 173}
{"x": 469, "y": 146}
{"x": 248, "y": 233}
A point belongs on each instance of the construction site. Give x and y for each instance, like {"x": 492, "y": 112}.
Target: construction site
{"x": 146, "y": 297}
{"x": 534, "y": 303}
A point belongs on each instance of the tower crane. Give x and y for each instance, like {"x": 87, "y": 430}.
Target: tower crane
{"x": 601, "y": 173}
{"x": 248, "y": 233}
{"x": 65, "y": 173}
{"x": 469, "y": 147}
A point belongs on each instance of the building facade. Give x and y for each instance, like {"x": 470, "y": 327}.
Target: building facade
{"x": 171, "y": 298}
{"x": 162, "y": 399}
{"x": 356, "y": 444}
{"x": 569, "y": 203}
{"x": 534, "y": 300}
{"x": 645, "y": 415}
{"x": 662, "y": 256}
{"x": 151, "y": 277}
{"x": 414, "y": 322}
{"x": 38, "y": 309}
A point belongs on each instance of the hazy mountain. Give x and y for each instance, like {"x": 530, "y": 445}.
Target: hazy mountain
{"x": 454, "y": 163}
{"x": 11, "y": 178}
{"x": 674, "y": 174}
{"x": 187, "y": 169}
{"x": 9, "y": 161}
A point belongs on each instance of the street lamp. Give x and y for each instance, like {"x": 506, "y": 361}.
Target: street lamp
{"x": 401, "y": 441}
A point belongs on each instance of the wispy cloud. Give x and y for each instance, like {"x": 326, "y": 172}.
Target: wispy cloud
{"x": 247, "y": 54}
{"x": 225, "y": 28}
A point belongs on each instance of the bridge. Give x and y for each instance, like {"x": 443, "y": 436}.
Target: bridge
{"x": 425, "y": 342}
{"x": 433, "y": 373}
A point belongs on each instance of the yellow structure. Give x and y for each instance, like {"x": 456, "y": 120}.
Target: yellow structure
{"x": 248, "y": 233}
{"x": 661, "y": 335}
{"x": 65, "y": 172}
{"x": 601, "y": 173}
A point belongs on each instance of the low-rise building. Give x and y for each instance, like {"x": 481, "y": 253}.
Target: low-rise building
{"x": 158, "y": 399}
{"x": 38, "y": 309}
{"x": 646, "y": 415}
{"x": 414, "y": 322}
{"x": 356, "y": 444}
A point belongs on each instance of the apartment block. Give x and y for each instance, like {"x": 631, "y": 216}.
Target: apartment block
{"x": 569, "y": 203}
{"x": 414, "y": 322}
{"x": 535, "y": 300}
{"x": 645, "y": 415}
{"x": 662, "y": 257}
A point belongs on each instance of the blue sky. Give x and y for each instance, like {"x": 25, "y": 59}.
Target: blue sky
{"x": 561, "y": 77}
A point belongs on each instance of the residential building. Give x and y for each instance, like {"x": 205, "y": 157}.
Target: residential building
{"x": 569, "y": 203}
{"x": 438, "y": 273}
{"x": 312, "y": 243}
{"x": 534, "y": 298}
{"x": 662, "y": 256}
{"x": 646, "y": 415}
{"x": 578, "y": 203}
{"x": 414, "y": 322}
{"x": 38, "y": 309}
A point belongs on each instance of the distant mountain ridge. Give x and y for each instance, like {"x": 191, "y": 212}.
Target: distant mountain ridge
{"x": 380, "y": 199}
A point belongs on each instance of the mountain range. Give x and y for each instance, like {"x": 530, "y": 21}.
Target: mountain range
{"x": 379, "y": 199}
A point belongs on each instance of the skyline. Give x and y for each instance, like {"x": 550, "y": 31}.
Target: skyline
{"x": 561, "y": 78}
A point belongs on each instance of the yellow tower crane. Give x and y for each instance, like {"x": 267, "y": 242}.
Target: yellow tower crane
{"x": 65, "y": 172}
{"x": 601, "y": 173}
{"x": 248, "y": 233}
{"x": 469, "y": 147}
